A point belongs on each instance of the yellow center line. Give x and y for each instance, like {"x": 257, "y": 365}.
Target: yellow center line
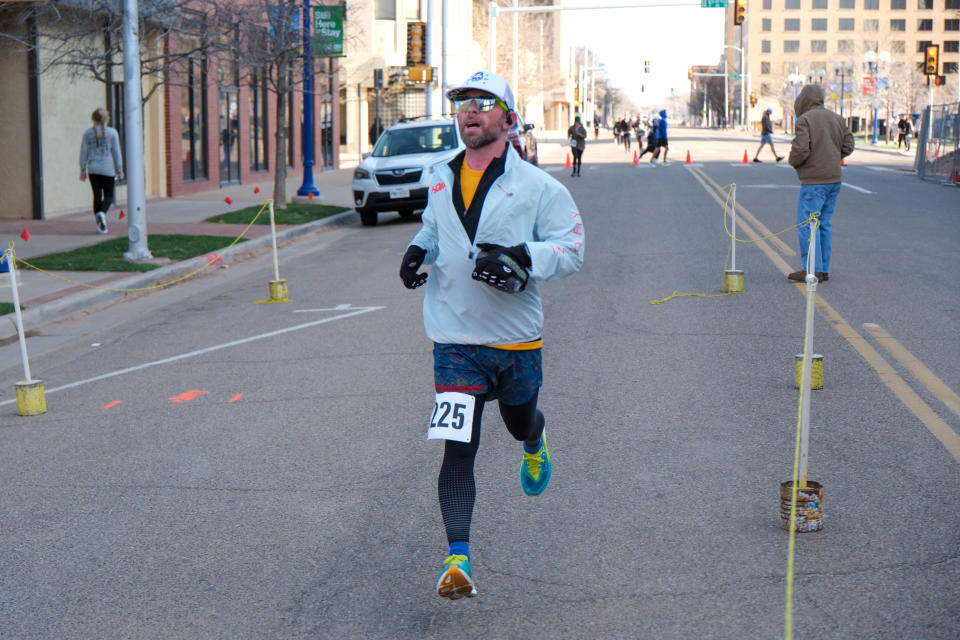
{"x": 887, "y": 374}
{"x": 777, "y": 260}
{"x": 764, "y": 231}
{"x": 911, "y": 363}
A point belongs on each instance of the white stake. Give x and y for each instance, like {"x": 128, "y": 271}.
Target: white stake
{"x": 733, "y": 231}
{"x": 807, "y": 353}
{"x": 12, "y": 262}
{"x": 273, "y": 232}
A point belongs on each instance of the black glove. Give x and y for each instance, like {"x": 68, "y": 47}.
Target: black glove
{"x": 503, "y": 267}
{"x": 412, "y": 260}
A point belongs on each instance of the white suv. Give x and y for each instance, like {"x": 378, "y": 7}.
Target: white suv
{"x": 396, "y": 176}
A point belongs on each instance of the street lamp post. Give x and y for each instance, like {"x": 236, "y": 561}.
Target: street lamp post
{"x": 841, "y": 69}
{"x": 873, "y": 60}
{"x": 741, "y": 74}
{"x": 796, "y": 81}
{"x": 307, "y": 188}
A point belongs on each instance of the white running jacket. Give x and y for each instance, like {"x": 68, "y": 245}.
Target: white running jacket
{"x": 524, "y": 205}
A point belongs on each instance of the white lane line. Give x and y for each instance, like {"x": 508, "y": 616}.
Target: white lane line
{"x": 199, "y": 352}
{"x": 856, "y": 188}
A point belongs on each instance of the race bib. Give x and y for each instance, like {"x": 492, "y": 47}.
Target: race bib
{"x": 452, "y": 417}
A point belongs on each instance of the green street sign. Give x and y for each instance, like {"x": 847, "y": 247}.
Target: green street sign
{"x": 712, "y": 4}
{"x": 327, "y": 31}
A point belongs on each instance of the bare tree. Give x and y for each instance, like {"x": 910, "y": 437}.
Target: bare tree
{"x": 270, "y": 40}
{"x": 85, "y": 36}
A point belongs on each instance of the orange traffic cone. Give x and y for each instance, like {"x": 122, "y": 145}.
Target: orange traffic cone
{"x": 634, "y": 158}
{"x": 746, "y": 160}
{"x": 688, "y": 157}
{"x": 568, "y": 165}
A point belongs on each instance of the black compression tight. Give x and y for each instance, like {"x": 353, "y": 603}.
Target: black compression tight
{"x": 456, "y": 487}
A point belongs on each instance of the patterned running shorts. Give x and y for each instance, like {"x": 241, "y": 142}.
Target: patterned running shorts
{"x": 510, "y": 376}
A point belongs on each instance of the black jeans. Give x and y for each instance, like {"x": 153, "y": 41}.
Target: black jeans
{"x": 102, "y": 192}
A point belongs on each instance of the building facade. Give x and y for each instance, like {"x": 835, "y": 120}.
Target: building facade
{"x": 848, "y": 47}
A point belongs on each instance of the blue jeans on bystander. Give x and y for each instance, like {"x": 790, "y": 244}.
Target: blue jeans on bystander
{"x": 822, "y": 198}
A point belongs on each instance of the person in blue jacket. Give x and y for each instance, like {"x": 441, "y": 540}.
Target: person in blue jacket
{"x": 493, "y": 228}
{"x": 662, "y": 142}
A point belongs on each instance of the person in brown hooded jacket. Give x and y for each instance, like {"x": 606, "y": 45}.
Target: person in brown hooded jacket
{"x": 822, "y": 140}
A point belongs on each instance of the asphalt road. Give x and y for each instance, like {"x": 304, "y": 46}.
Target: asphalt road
{"x": 215, "y": 468}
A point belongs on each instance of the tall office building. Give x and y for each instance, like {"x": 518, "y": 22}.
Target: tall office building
{"x": 851, "y": 44}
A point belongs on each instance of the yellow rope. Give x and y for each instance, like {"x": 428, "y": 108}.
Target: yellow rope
{"x": 726, "y": 209}
{"x": 791, "y": 545}
{"x": 156, "y": 286}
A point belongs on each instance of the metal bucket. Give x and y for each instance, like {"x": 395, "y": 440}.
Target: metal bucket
{"x": 809, "y": 516}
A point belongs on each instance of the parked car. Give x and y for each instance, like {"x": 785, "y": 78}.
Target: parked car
{"x": 396, "y": 176}
{"x": 523, "y": 140}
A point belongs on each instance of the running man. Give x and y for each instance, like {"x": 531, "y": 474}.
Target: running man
{"x": 494, "y": 227}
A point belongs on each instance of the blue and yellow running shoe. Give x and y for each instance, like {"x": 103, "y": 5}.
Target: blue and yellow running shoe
{"x": 456, "y": 582}
{"x": 535, "y": 469}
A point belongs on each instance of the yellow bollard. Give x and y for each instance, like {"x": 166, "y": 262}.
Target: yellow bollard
{"x": 816, "y": 371}
{"x": 30, "y": 400}
{"x": 278, "y": 290}
{"x": 733, "y": 281}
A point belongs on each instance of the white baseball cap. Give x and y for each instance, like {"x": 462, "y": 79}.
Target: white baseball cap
{"x": 490, "y": 83}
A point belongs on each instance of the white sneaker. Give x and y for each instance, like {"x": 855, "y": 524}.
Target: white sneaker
{"x": 101, "y": 222}
{"x": 654, "y": 161}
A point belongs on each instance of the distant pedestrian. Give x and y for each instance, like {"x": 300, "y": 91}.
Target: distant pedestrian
{"x": 100, "y": 159}
{"x": 904, "y": 126}
{"x": 625, "y": 128}
{"x": 822, "y": 140}
{"x": 766, "y": 136}
{"x": 577, "y": 135}
{"x": 662, "y": 142}
{"x": 596, "y": 126}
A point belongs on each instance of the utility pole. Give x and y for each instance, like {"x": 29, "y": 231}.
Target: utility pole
{"x": 137, "y": 249}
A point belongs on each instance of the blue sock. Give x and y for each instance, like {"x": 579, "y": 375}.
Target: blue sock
{"x": 527, "y": 448}
{"x": 460, "y": 549}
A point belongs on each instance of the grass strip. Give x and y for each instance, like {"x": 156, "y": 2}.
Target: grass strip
{"x": 108, "y": 255}
{"x": 295, "y": 213}
{"x": 5, "y": 308}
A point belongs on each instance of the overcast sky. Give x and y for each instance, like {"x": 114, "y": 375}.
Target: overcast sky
{"x": 671, "y": 38}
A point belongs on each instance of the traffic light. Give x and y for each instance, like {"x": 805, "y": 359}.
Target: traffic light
{"x": 576, "y": 95}
{"x": 739, "y": 11}
{"x": 753, "y": 99}
{"x": 931, "y": 60}
{"x": 415, "y": 33}
{"x": 689, "y": 74}
{"x": 939, "y": 81}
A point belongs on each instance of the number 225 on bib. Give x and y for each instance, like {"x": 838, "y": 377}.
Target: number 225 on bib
{"x": 452, "y": 417}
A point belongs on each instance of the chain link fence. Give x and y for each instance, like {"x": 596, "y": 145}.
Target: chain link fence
{"x": 938, "y": 146}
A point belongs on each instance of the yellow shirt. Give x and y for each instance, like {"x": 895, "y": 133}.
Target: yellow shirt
{"x": 469, "y": 180}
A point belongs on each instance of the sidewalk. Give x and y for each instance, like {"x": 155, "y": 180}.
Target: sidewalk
{"x": 46, "y": 299}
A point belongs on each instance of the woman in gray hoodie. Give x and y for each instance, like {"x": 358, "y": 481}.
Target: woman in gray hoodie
{"x": 100, "y": 159}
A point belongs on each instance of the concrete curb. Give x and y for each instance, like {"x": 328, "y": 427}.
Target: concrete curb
{"x": 61, "y": 308}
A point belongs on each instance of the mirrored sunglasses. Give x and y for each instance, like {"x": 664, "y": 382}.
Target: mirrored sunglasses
{"x": 461, "y": 105}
